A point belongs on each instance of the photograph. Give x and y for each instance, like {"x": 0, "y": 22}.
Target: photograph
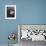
{"x": 10, "y": 11}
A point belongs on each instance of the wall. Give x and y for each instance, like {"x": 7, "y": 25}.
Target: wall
{"x": 27, "y": 12}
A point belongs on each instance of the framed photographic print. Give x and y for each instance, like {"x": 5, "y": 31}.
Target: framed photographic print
{"x": 10, "y": 11}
